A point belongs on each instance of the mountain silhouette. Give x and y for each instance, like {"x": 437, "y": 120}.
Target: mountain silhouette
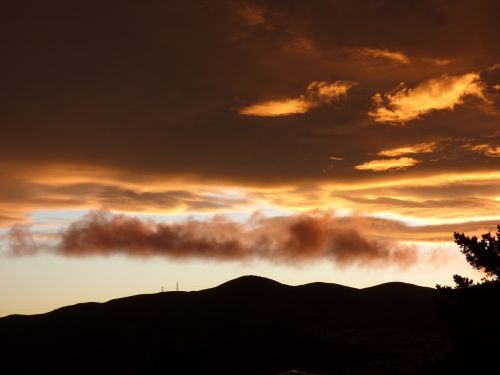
{"x": 250, "y": 325}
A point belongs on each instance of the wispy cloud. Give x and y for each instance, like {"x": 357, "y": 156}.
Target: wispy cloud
{"x": 486, "y": 150}
{"x": 382, "y": 165}
{"x": 420, "y": 148}
{"x": 317, "y": 94}
{"x": 397, "y": 56}
{"x": 445, "y": 92}
{"x": 251, "y": 14}
{"x": 439, "y": 61}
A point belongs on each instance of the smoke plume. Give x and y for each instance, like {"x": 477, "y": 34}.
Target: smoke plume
{"x": 290, "y": 239}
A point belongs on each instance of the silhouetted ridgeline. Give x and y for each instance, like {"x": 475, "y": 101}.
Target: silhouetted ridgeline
{"x": 249, "y": 325}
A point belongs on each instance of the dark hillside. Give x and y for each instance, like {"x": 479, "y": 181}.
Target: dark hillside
{"x": 250, "y": 325}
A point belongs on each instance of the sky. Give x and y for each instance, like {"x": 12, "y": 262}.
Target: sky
{"x": 145, "y": 144}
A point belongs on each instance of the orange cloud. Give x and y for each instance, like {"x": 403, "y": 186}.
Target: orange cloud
{"x": 317, "y": 94}
{"x": 387, "y": 164}
{"x": 277, "y": 108}
{"x": 420, "y": 148}
{"x": 486, "y": 150}
{"x": 384, "y": 53}
{"x": 426, "y": 197}
{"x": 441, "y": 93}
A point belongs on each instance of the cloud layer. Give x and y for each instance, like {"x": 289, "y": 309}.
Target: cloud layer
{"x": 293, "y": 239}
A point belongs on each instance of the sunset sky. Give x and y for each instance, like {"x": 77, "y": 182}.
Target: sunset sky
{"x": 148, "y": 143}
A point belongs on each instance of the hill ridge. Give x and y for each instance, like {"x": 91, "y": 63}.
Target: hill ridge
{"x": 244, "y": 282}
{"x": 249, "y": 325}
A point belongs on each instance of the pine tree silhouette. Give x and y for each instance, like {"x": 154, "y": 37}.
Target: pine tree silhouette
{"x": 483, "y": 255}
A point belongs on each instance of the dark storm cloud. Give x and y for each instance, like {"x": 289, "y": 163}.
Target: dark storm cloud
{"x": 155, "y": 88}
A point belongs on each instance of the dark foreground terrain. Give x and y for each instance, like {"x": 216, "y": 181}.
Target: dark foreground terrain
{"x": 249, "y": 325}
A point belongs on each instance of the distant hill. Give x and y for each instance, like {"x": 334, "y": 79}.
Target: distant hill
{"x": 250, "y": 325}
